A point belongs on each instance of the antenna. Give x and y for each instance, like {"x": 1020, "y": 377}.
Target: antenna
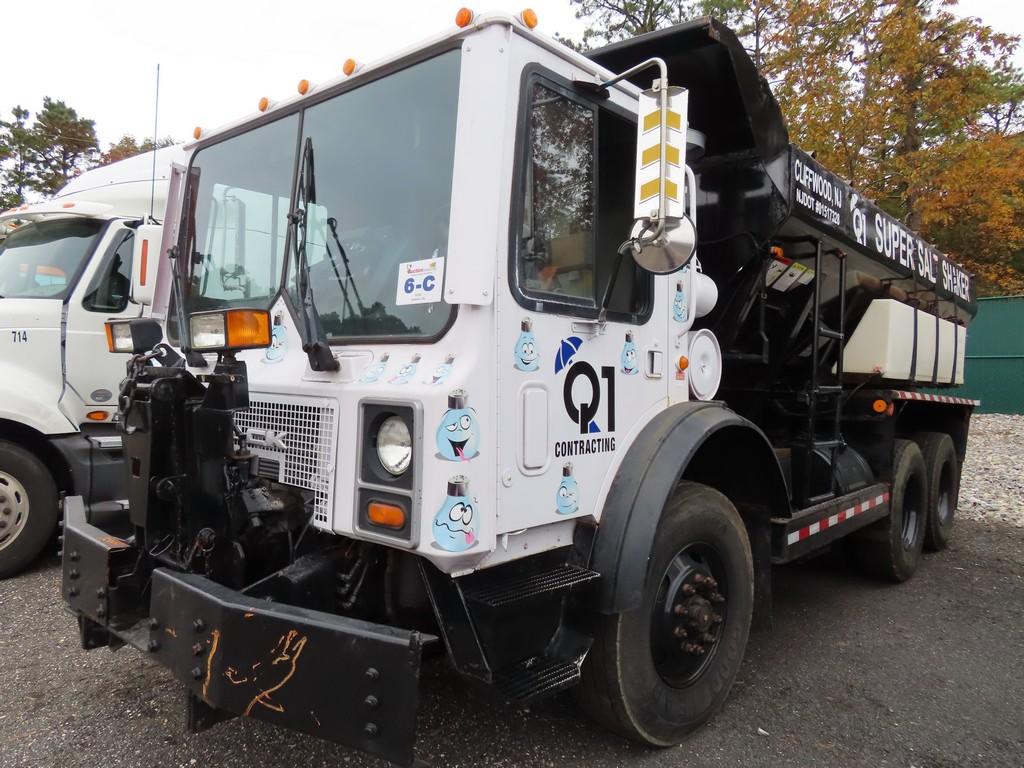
{"x": 156, "y": 116}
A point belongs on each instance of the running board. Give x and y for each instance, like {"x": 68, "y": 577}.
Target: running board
{"x": 817, "y": 526}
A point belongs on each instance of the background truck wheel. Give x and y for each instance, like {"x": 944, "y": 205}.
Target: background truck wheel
{"x": 659, "y": 671}
{"x": 943, "y": 473}
{"x": 891, "y": 548}
{"x": 28, "y": 508}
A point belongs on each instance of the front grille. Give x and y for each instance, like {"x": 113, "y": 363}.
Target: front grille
{"x": 299, "y": 434}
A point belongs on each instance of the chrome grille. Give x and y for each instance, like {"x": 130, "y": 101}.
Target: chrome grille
{"x": 300, "y": 435}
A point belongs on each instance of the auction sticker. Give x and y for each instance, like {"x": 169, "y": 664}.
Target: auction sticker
{"x": 419, "y": 282}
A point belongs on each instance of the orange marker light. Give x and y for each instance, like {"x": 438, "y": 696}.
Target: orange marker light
{"x": 528, "y": 17}
{"x": 879, "y": 406}
{"x": 464, "y": 17}
{"x": 97, "y": 415}
{"x": 197, "y": 132}
{"x": 349, "y": 66}
{"x": 264, "y": 104}
{"x": 387, "y": 515}
{"x": 247, "y": 328}
{"x": 683, "y": 363}
{"x": 303, "y": 87}
{"x": 68, "y": 205}
{"x": 144, "y": 263}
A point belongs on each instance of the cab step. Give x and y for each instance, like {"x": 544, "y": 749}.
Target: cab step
{"x": 536, "y": 678}
{"x": 528, "y": 586}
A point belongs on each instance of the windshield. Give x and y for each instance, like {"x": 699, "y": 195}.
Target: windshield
{"x": 383, "y": 186}
{"x": 41, "y": 260}
{"x": 240, "y": 195}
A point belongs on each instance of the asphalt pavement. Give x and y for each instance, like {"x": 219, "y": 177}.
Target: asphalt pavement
{"x": 927, "y": 674}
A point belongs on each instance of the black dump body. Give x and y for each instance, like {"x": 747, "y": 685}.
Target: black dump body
{"x": 757, "y": 190}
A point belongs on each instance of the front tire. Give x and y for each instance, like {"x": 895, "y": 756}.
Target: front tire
{"x": 28, "y": 508}
{"x": 659, "y": 671}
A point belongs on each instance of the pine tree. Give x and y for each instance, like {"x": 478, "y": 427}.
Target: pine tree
{"x": 67, "y": 145}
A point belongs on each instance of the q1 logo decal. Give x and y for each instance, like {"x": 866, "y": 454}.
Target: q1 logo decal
{"x": 585, "y": 411}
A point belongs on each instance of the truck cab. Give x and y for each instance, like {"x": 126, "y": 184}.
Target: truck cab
{"x": 66, "y": 268}
{"x": 482, "y": 347}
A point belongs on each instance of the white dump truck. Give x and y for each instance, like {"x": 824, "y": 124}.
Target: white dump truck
{"x": 538, "y": 358}
{"x": 65, "y": 268}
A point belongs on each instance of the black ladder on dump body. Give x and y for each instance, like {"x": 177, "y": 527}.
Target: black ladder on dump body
{"x": 818, "y": 391}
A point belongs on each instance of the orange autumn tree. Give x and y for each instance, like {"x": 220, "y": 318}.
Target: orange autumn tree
{"x": 919, "y": 108}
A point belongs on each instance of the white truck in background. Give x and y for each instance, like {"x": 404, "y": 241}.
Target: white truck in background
{"x": 65, "y": 268}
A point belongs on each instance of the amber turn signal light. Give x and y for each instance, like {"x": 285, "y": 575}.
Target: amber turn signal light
{"x": 528, "y": 17}
{"x": 683, "y": 363}
{"x": 97, "y": 415}
{"x": 464, "y": 17}
{"x": 232, "y": 329}
{"x": 879, "y": 406}
{"x": 387, "y": 515}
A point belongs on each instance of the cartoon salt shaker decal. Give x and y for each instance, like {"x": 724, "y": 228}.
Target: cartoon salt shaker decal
{"x": 278, "y": 342}
{"x": 458, "y": 434}
{"x": 567, "y": 498}
{"x": 442, "y": 372}
{"x": 375, "y": 371}
{"x": 527, "y": 357}
{"x": 680, "y": 311}
{"x": 629, "y": 356}
{"x": 406, "y": 372}
{"x": 455, "y": 521}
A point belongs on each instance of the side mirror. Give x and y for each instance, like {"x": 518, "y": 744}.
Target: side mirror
{"x": 664, "y": 236}
{"x": 145, "y": 262}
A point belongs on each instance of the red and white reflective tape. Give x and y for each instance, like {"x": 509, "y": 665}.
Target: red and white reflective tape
{"x": 901, "y": 395}
{"x": 839, "y": 517}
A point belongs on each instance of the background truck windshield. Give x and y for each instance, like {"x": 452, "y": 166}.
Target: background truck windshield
{"x": 41, "y": 260}
{"x": 383, "y": 156}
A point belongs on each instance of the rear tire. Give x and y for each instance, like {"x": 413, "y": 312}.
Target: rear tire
{"x": 943, "y": 472}
{"x": 891, "y": 548}
{"x": 638, "y": 679}
{"x": 28, "y": 508}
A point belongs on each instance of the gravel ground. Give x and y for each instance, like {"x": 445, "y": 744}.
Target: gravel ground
{"x": 853, "y": 673}
{"x": 992, "y": 482}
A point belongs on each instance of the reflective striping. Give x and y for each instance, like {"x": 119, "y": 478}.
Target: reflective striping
{"x": 650, "y": 189}
{"x": 949, "y": 399}
{"x": 653, "y": 120}
{"x": 840, "y": 517}
{"x": 653, "y": 155}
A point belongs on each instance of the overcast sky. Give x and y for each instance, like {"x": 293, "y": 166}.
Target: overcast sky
{"x": 218, "y": 57}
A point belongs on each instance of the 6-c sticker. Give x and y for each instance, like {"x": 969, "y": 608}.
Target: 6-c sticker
{"x": 419, "y": 282}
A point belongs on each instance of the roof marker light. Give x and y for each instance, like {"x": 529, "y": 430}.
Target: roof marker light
{"x": 528, "y": 17}
{"x": 350, "y": 67}
{"x": 68, "y": 205}
{"x": 264, "y": 104}
{"x": 197, "y": 132}
{"x": 304, "y": 86}
{"x": 464, "y": 17}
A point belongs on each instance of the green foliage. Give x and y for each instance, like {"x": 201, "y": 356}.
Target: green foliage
{"x": 18, "y": 150}
{"x": 67, "y": 145}
{"x": 127, "y": 146}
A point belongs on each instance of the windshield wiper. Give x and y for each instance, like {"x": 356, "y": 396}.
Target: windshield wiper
{"x": 349, "y": 279}
{"x": 315, "y": 340}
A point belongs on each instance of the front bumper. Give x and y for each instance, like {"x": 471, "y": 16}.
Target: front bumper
{"x": 342, "y": 679}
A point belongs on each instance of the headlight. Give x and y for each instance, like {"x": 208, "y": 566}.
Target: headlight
{"x": 231, "y": 329}
{"x": 394, "y": 445}
{"x": 138, "y": 335}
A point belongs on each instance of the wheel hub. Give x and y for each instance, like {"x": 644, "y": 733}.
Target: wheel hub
{"x": 13, "y": 508}
{"x": 689, "y": 616}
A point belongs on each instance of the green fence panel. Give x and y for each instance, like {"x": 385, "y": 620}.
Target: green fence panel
{"x": 994, "y": 371}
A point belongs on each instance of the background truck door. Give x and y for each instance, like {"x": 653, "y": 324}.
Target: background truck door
{"x": 104, "y": 292}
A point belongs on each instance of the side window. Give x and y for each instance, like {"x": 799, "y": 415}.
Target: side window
{"x": 111, "y": 285}
{"x": 557, "y": 248}
{"x": 577, "y": 201}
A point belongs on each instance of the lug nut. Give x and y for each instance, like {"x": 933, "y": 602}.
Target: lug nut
{"x": 197, "y": 649}
{"x": 717, "y": 598}
{"x": 197, "y": 673}
{"x": 73, "y": 556}
{"x": 688, "y": 589}
{"x": 153, "y": 646}
{"x": 716, "y": 619}
{"x": 370, "y": 729}
{"x": 373, "y": 674}
{"x": 709, "y": 638}
{"x": 712, "y": 583}
{"x": 101, "y": 593}
{"x": 371, "y": 701}
{"x": 73, "y": 574}
{"x": 100, "y": 612}
{"x": 679, "y": 632}
{"x": 198, "y": 625}
{"x": 698, "y": 578}
{"x": 73, "y": 592}
{"x": 154, "y": 623}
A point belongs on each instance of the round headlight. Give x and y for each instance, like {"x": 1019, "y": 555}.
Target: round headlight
{"x": 394, "y": 445}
